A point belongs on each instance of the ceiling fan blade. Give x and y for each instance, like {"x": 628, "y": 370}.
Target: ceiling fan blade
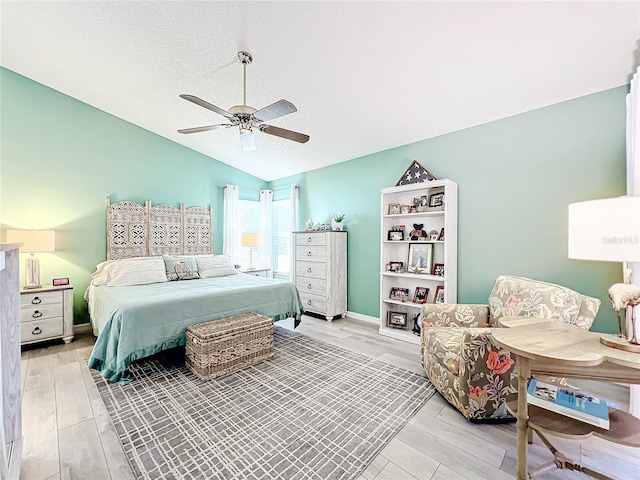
{"x": 275, "y": 110}
{"x": 205, "y": 129}
{"x": 202, "y": 103}
{"x": 284, "y": 133}
{"x": 246, "y": 139}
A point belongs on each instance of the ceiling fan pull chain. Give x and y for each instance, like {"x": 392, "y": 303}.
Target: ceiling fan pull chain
{"x": 244, "y": 86}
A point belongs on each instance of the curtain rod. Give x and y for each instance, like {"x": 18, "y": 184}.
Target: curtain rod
{"x": 258, "y": 191}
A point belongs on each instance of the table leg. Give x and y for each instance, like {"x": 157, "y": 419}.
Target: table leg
{"x": 523, "y": 370}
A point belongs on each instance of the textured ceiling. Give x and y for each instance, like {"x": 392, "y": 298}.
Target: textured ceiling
{"x": 365, "y": 76}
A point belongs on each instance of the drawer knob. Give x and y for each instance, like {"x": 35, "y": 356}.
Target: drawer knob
{"x": 36, "y": 314}
{"x": 309, "y": 286}
{"x": 36, "y": 331}
{"x": 36, "y": 300}
{"x": 309, "y": 270}
{"x": 308, "y": 254}
{"x": 308, "y": 239}
{"x": 308, "y": 302}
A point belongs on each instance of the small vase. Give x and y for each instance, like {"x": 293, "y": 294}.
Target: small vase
{"x": 337, "y": 226}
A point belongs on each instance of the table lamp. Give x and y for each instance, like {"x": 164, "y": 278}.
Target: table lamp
{"x": 33, "y": 241}
{"x": 609, "y": 230}
{"x": 250, "y": 240}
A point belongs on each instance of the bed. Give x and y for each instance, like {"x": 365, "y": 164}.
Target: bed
{"x": 136, "y": 305}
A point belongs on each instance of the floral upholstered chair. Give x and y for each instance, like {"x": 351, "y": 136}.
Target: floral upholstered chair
{"x": 459, "y": 355}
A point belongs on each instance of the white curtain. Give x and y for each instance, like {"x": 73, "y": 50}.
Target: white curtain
{"x": 633, "y": 189}
{"x": 266, "y": 232}
{"x": 231, "y": 222}
{"x": 294, "y": 222}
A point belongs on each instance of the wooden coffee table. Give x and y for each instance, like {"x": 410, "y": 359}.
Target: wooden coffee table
{"x": 548, "y": 347}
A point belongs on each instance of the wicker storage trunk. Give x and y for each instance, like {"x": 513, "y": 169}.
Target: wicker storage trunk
{"x": 224, "y": 346}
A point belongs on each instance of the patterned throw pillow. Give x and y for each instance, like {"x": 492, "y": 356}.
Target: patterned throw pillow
{"x": 182, "y": 268}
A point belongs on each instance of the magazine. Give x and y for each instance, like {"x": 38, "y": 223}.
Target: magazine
{"x": 569, "y": 402}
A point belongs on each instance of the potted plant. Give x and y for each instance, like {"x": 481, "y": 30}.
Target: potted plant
{"x": 336, "y": 222}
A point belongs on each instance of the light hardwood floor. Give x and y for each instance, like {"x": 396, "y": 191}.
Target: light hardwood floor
{"x": 68, "y": 435}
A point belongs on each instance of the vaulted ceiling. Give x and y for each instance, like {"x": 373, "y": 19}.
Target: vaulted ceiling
{"x": 364, "y": 76}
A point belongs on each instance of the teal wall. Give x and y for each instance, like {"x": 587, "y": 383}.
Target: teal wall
{"x": 59, "y": 160}
{"x": 515, "y": 178}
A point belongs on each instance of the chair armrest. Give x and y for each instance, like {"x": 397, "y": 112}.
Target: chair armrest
{"x": 454, "y": 315}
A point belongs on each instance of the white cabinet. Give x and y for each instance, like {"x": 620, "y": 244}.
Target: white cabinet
{"x": 429, "y": 262}
{"x": 320, "y": 271}
{"x": 46, "y": 313}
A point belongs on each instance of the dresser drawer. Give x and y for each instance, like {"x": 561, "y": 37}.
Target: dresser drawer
{"x": 41, "y": 330}
{"x": 311, "y": 253}
{"x": 39, "y": 299}
{"x": 311, "y": 269}
{"x": 316, "y": 286}
{"x": 37, "y": 312}
{"x": 314, "y": 303}
{"x": 311, "y": 239}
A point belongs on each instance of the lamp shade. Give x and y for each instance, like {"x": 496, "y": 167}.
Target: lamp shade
{"x": 606, "y": 230}
{"x": 33, "y": 241}
{"x": 250, "y": 240}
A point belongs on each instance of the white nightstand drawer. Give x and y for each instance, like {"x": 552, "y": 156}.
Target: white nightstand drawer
{"x": 37, "y": 312}
{"x": 317, "y": 286}
{"x": 41, "y": 330}
{"x": 314, "y": 303}
{"x": 38, "y": 299}
{"x": 311, "y": 269}
{"x": 311, "y": 253}
{"x": 311, "y": 239}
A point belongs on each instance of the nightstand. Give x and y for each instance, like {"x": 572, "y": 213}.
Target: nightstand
{"x": 46, "y": 313}
{"x": 257, "y": 272}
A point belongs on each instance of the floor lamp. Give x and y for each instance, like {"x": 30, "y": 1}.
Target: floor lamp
{"x": 609, "y": 230}
{"x": 33, "y": 241}
{"x": 250, "y": 240}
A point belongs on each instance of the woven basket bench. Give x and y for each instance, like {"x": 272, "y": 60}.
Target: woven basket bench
{"x": 225, "y": 346}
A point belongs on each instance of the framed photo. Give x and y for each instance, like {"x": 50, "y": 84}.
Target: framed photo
{"x": 438, "y": 269}
{"x": 436, "y": 199}
{"x": 397, "y": 320}
{"x": 420, "y": 257}
{"x": 439, "y": 296}
{"x": 404, "y": 209}
{"x": 420, "y": 296}
{"x": 441, "y": 236}
{"x": 397, "y": 267}
{"x": 394, "y": 208}
{"x": 396, "y": 235}
{"x": 413, "y": 209}
{"x": 399, "y": 293}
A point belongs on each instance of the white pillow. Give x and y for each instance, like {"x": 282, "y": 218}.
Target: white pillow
{"x": 130, "y": 271}
{"x": 210, "y": 266}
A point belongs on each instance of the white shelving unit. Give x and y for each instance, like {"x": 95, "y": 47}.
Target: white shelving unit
{"x": 444, "y": 251}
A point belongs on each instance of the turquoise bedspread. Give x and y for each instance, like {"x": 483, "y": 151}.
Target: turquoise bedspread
{"x": 138, "y": 321}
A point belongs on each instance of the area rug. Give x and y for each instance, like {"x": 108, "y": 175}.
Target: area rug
{"x": 314, "y": 411}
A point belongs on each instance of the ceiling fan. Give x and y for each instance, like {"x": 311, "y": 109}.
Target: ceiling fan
{"x": 248, "y": 118}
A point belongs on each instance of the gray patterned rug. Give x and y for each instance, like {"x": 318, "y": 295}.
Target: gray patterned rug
{"x": 314, "y": 411}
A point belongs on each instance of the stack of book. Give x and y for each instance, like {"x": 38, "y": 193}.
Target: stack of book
{"x": 570, "y": 402}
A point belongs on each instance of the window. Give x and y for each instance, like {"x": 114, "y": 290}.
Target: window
{"x": 281, "y": 235}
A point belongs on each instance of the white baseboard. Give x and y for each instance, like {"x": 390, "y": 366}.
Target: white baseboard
{"x": 81, "y": 328}
{"x": 364, "y": 318}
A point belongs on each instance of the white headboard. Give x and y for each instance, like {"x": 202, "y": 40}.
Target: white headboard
{"x": 135, "y": 230}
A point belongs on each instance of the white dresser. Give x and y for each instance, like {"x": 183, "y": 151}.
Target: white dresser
{"x": 320, "y": 272}
{"x": 46, "y": 313}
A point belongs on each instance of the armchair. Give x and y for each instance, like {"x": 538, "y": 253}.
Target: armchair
{"x": 457, "y": 349}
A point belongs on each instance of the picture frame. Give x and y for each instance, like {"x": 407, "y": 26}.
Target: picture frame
{"x": 420, "y": 258}
{"x": 436, "y": 199}
{"x": 438, "y": 269}
{"x": 394, "y": 208}
{"x": 399, "y": 293}
{"x": 404, "y": 209}
{"x": 439, "y": 296}
{"x": 397, "y": 267}
{"x": 397, "y": 320}
{"x": 441, "y": 235}
{"x": 420, "y": 295}
{"x": 413, "y": 209}
{"x": 395, "y": 235}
